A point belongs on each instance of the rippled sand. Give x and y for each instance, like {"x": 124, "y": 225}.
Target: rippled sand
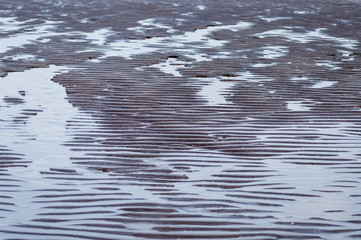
{"x": 187, "y": 120}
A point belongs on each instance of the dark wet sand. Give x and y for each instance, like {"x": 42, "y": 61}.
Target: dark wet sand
{"x": 147, "y": 151}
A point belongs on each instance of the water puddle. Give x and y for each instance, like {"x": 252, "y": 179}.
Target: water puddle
{"x": 39, "y": 114}
{"x": 262, "y": 65}
{"x": 33, "y": 118}
{"x": 150, "y": 24}
{"x": 23, "y": 57}
{"x": 273, "y": 19}
{"x": 9, "y": 24}
{"x": 323, "y": 84}
{"x": 189, "y": 43}
{"x": 307, "y": 37}
{"x": 42, "y": 33}
{"x": 303, "y": 12}
{"x": 98, "y": 37}
{"x": 297, "y": 106}
{"x": 300, "y": 78}
{"x": 215, "y": 90}
{"x": 347, "y": 56}
{"x": 248, "y": 77}
{"x": 30, "y": 35}
{"x": 170, "y": 66}
{"x": 328, "y": 64}
{"x": 217, "y": 87}
{"x": 273, "y": 52}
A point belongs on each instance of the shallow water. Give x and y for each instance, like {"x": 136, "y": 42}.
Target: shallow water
{"x": 214, "y": 91}
{"x": 323, "y": 84}
{"x": 310, "y": 36}
{"x": 180, "y": 42}
{"x": 35, "y": 126}
{"x": 272, "y": 52}
{"x": 182, "y": 135}
{"x": 170, "y": 66}
{"x": 297, "y": 106}
{"x": 34, "y": 33}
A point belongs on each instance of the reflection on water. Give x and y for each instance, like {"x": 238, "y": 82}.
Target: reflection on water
{"x": 297, "y": 106}
{"x": 189, "y": 43}
{"x": 272, "y": 52}
{"x": 310, "y": 36}
{"x": 323, "y": 84}
{"x": 215, "y": 89}
{"x": 32, "y": 33}
{"x": 170, "y": 66}
{"x": 36, "y": 128}
{"x": 258, "y": 160}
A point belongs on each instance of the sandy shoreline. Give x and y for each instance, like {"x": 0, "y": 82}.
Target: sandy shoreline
{"x": 188, "y": 120}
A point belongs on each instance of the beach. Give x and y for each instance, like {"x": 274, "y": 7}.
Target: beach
{"x": 180, "y": 120}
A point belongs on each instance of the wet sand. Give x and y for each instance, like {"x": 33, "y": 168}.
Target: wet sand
{"x": 188, "y": 120}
